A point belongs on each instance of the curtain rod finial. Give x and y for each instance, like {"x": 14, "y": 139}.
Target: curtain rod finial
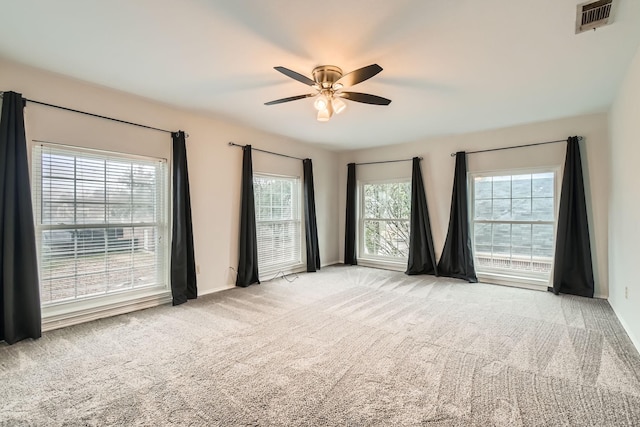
{"x": 453, "y": 154}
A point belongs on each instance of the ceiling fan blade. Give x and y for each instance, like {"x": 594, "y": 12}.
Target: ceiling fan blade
{"x": 358, "y": 76}
{"x": 365, "y": 98}
{"x": 291, "y": 98}
{"x": 295, "y": 76}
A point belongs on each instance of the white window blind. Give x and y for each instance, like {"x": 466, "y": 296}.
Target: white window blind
{"x": 277, "y": 201}
{"x": 101, "y": 222}
{"x": 385, "y": 213}
{"x": 514, "y": 217}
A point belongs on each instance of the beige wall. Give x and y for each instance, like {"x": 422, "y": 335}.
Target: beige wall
{"x": 624, "y": 208}
{"x": 438, "y": 165}
{"x": 214, "y": 167}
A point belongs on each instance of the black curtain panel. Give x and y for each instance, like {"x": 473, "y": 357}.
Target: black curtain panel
{"x": 248, "y": 259}
{"x": 351, "y": 219}
{"x": 310, "y": 224}
{"x": 422, "y": 259}
{"x": 573, "y": 271}
{"x": 457, "y": 255}
{"x": 20, "y": 316}
{"x": 183, "y": 263}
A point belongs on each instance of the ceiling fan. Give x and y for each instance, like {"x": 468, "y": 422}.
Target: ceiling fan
{"x": 329, "y": 82}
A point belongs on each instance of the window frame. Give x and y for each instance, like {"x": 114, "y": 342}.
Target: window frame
{"x": 510, "y": 276}
{"x": 91, "y": 306}
{"x": 372, "y": 260}
{"x": 269, "y": 270}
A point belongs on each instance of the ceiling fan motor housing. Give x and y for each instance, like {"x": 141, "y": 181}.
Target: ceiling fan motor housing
{"x": 326, "y": 75}
{"x": 329, "y": 82}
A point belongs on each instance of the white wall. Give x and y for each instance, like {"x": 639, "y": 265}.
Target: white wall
{"x": 438, "y": 165}
{"x": 624, "y": 207}
{"x": 214, "y": 167}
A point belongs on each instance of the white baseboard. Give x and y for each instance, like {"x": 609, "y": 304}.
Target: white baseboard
{"x": 634, "y": 340}
{"x": 63, "y": 320}
{"x": 513, "y": 285}
{"x": 383, "y": 265}
{"x": 214, "y": 290}
{"x": 327, "y": 264}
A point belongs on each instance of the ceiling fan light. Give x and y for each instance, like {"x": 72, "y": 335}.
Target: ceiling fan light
{"x": 321, "y": 103}
{"x": 324, "y": 115}
{"x": 337, "y": 86}
{"x": 338, "y": 105}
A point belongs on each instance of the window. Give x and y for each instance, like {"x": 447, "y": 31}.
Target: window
{"x": 514, "y": 219}
{"x": 101, "y": 223}
{"x": 277, "y": 200}
{"x": 385, "y": 212}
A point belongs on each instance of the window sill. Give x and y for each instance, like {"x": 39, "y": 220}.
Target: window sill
{"x": 383, "y": 264}
{"x": 60, "y": 315}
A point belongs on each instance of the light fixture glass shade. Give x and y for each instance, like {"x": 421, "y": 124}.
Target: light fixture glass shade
{"x": 324, "y": 115}
{"x": 321, "y": 103}
{"x": 338, "y": 105}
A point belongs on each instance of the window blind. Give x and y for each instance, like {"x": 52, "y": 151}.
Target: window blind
{"x": 278, "y": 223}
{"x": 101, "y": 222}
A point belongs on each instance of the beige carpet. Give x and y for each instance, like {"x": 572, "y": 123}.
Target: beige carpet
{"x": 345, "y": 346}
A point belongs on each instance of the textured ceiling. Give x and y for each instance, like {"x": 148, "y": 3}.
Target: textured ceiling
{"x": 449, "y": 67}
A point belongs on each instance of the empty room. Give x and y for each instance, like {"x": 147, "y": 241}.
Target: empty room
{"x": 356, "y": 212}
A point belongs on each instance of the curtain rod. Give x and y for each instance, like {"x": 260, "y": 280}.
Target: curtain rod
{"x": 233, "y": 144}
{"x": 386, "y": 161}
{"x": 517, "y": 146}
{"x": 97, "y": 115}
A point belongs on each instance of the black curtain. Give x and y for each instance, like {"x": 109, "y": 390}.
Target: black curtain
{"x": 457, "y": 255}
{"x": 248, "y": 259}
{"x": 20, "y": 316}
{"x": 573, "y": 271}
{"x": 351, "y": 219}
{"x": 310, "y": 224}
{"x": 183, "y": 263}
{"x": 422, "y": 259}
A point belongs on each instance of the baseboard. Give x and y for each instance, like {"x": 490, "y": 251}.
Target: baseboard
{"x": 213, "y": 291}
{"x": 513, "y": 284}
{"x": 68, "y": 319}
{"x": 81, "y": 316}
{"x": 383, "y": 265}
{"x": 327, "y": 264}
{"x": 634, "y": 340}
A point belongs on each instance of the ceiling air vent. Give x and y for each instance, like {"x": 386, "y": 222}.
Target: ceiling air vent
{"x": 594, "y": 14}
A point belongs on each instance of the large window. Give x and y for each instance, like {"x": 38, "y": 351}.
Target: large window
{"x": 277, "y": 200}
{"x": 101, "y": 223}
{"x": 384, "y": 221}
{"x": 514, "y": 217}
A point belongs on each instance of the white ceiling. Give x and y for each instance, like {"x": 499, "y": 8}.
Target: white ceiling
{"x": 449, "y": 66}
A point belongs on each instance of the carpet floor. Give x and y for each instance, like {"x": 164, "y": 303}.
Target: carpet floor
{"x": 344, "y": 346}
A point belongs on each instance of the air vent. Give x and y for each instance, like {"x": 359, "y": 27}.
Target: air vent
{"x": 594, "y": 14}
